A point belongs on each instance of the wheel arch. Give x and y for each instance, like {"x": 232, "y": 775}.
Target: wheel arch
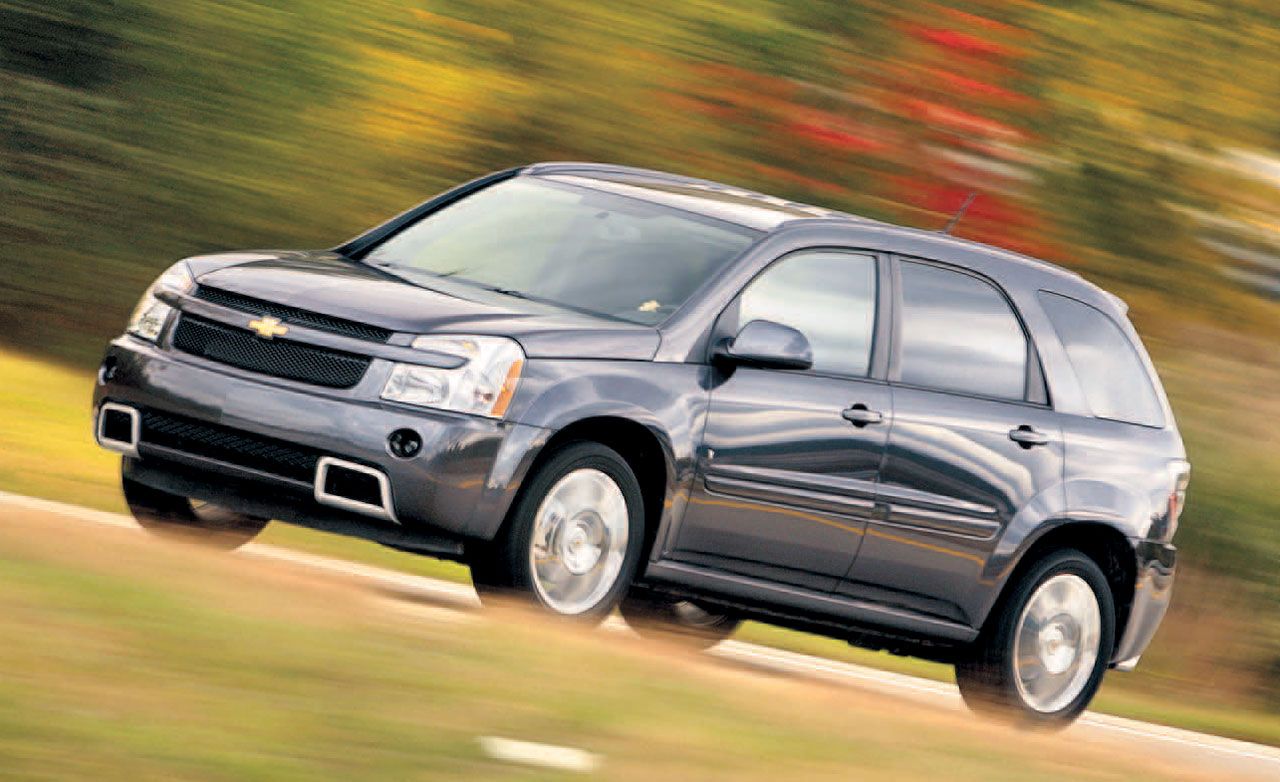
{"x": 644, "y": 446}
{"x": 646, "y": 450}
{"x": 651, "y": 413}
{"x": 1102, "y": 540}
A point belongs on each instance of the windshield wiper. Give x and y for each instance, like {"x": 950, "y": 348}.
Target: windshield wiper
{"x": 515, "y": 294}
{"x": 405, "y": 269}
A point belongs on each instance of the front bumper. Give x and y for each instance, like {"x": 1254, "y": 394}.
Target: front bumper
{"x": 1152, "y": 590}
{"x": 461, "y": 482}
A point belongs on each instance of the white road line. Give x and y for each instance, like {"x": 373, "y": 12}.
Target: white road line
{"x": 429, "y": 611}
{"x": 528, "y": 753}
{"x": 440, "y": 590}
{"x": 939, "y": 693}
{"x": 63, "y": 509}
{"x": 459, "y": 595}
{"x": 837, "y": 672}
{"x": 778, "y": 660}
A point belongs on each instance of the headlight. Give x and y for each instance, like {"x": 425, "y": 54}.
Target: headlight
{"x": 482, "y": 386}
{"x": 149, "y": 316}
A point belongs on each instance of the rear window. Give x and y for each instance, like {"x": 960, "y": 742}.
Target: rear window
{"x": 1115, "y": 381}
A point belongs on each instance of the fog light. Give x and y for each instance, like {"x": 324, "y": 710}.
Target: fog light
{"x": 404, "y": 443}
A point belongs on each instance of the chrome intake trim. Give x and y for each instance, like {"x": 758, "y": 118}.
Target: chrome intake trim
{"x": 385, "y": 510}
{"x": 129, "y": 447}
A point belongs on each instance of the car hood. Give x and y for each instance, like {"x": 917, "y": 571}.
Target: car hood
{"x": 331, "y": 284}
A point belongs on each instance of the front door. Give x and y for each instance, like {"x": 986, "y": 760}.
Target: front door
{"x": 972, "y": 444}
{"x": 790, "y": 459}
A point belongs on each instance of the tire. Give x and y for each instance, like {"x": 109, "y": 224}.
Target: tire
{"x": 1050, "y": 685}
{"x": 180, "y": 518}
{"x": 663, "y": 617}
{"x": 584, "y": 512}
{"x": 489, "y": 575}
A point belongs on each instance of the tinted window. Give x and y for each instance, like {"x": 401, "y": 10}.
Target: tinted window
{"x": 830, "y": 297}
{"x": 1115, "y": 382}
{"x": 573, "y": 246}
{"x": 959, "y": 334}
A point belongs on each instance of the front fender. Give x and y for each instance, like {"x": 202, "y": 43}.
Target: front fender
{"x": 667, "y": 399}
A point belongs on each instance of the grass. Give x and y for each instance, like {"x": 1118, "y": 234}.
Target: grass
{"x": 153, "y": 661}
{"x": 46, "y": 438}
{"x": 47, "y": 450}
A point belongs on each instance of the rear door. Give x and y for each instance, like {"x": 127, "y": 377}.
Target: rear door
{"x": 973, "y": 441}
{"x": 786, "y": 480}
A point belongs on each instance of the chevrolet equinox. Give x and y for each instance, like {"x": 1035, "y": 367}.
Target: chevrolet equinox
{"x": 604, "y": 387}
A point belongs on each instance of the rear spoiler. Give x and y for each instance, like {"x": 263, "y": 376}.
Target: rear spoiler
{"x": 1120, "y": 303}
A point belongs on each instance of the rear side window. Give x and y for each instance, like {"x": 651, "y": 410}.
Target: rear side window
{"x": 828, "y": 296}
{"x": 959, "y": 334}
{"x": 1115, "y": 382}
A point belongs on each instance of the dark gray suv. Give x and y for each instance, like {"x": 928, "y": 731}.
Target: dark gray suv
{"x": 604, "y": 387}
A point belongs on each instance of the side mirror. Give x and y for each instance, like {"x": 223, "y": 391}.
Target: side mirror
{"x": 768, "y": 345}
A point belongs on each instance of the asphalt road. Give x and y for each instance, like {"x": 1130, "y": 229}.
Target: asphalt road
{"x": 434, "y": 600}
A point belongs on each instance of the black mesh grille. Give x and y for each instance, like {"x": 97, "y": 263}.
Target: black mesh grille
{"x": 278, "y": 358}
{"x": 229, "y": 445}
{"x": 313, "y": 320}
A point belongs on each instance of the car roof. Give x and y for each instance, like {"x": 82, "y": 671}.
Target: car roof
{"x": 701, "y": 196}
{"x": 770, "y": 214}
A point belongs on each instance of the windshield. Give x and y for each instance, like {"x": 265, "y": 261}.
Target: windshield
{"x": 576, "y": 247}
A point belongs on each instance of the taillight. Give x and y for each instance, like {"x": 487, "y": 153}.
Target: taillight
{"x": 1180, "y": 472}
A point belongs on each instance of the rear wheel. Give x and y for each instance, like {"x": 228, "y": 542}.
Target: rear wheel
{"x": 653, "y": 615}
{"x": 1042, "y": 658}
{"x": 182, "y": 518}
{"x": 573, "y": 541}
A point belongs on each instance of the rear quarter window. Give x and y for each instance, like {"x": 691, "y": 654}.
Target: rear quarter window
{"x": 1114, "y": 379}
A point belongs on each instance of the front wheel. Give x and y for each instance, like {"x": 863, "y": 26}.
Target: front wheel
{"x": 573, "y": 541}
{"x": 181, "y": 518}
{"x": 1042, "y": 658}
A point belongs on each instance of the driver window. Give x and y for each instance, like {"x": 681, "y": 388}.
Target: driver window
{"x": 829, "y": 296}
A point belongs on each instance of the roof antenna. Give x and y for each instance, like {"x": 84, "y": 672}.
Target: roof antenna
{"x": 968, "y": 201}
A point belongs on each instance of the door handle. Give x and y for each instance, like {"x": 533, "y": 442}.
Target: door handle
{"x": 860, "y": 416}
{"x": 1027, "y": 437}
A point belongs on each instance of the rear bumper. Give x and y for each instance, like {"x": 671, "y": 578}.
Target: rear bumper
{"x": 1153, "y": 588}
{"x": 460, "y": 483}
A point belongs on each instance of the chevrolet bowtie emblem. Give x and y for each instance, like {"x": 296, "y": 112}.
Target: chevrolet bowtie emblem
{"x": 268, "y": 328}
